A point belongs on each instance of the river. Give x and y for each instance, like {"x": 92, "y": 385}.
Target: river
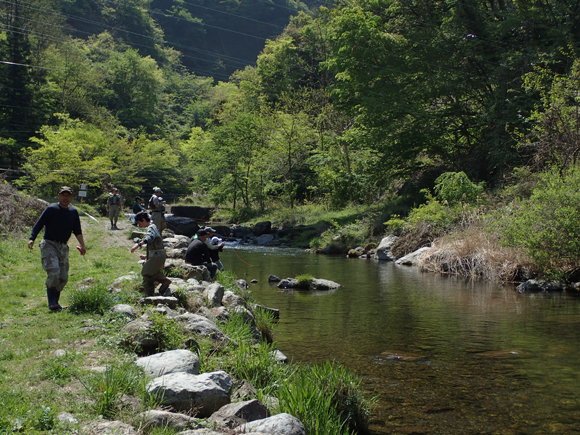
{"x": 444, "y": 355}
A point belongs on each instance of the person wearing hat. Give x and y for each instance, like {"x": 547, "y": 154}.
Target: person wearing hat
{"x": 114, "y": 205}
{"x": 152, "y": 270}
{"x": 215, "y": 245}
{"x": 138, "y": 205}
{"x": 197, "y": 253}
{"x": 157, "y": 207}
{"x": 59, "y": 221}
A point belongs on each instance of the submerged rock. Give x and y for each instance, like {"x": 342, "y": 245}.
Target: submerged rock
{"x": 539, "y": 286}
{"x": 393, "y": 355}
{"x": 499, "y": 354}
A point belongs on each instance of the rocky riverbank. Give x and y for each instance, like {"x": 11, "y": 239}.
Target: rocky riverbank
{"x": 191, "y": 401}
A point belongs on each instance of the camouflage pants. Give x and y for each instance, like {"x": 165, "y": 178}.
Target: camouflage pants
{"x": 152, "y": 271}
{"x": 54, "y": 258}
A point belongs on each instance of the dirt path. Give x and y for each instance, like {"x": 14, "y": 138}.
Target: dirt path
{"x": 98, "y": 231}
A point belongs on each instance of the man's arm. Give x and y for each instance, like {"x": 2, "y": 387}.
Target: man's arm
{"x": 210, "y": 245}
{"x": 37, "y": 228}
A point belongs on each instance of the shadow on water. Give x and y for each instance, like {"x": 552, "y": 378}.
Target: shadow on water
{"x": 445, "y": 355}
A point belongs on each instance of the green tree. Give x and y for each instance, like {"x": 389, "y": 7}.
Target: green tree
{"x": 434, "y": 84}
{"x": 77, "y": 81}
{"x": 554, "y": 139}
{"x": 71, "y": 154}
{"x": 135, "y": 89}
{"x": 291, "y": 142}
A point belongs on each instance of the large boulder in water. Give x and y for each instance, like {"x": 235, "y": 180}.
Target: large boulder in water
{"x": 412, "y": 258}
{"x": 384, "y": 250}
{"x": 182, "y": 225}
{"x": 192, "y": 212}
{"x": 262, "y": 228}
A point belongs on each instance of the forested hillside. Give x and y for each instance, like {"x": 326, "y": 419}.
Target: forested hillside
{"x": 344, "y": 104}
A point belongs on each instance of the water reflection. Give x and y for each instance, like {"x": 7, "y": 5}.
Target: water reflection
{"x": 487, "y": 359}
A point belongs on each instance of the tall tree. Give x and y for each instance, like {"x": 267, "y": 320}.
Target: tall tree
{"x": 17, "y": 110}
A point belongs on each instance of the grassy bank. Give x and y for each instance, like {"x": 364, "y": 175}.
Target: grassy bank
{"x": 93, "y": 375}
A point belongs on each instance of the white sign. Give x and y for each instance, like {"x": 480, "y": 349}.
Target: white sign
{"x": 84, "y": 187}
{"x": 83, "y": 193}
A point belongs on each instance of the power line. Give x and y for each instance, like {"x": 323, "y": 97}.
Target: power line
{"x": 27, "y": 31}
{"x": 69, "y": 16}
{"x": 230, "y": 14}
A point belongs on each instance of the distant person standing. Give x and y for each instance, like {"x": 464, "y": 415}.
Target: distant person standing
{"x": 157, "y": 207}
{"x": 138, "y": 205}
{"x": 152, "y": 270}
{"x": 114, "y": 205}
{"x": 59, "y": 221}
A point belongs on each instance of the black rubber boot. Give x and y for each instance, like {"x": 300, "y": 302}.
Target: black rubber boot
{"x": 53, "y": 294}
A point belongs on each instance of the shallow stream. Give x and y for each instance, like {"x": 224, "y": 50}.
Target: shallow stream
{"x": 445, "y": 355}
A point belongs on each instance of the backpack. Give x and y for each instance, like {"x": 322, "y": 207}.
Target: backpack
{"x": 151, "y": 203}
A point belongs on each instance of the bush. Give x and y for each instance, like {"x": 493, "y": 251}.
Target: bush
{"x": 167, "y": 331}
{"x": 95, "y": 299}
{"x": 433, "y": 213}
{"x": 455, "y": 187}
{"x": 548, "y": 224}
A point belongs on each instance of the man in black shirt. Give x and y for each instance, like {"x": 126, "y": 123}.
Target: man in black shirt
{"x": 59, "y": 221}
{"x": 198, "y": 253}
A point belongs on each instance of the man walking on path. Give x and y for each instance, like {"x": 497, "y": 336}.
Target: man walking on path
{"x": 114, "y": 205}
{"x": 59, "y": 221}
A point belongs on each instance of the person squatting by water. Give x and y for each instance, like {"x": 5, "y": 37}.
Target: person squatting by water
{"x": 197, "y": 253}
{"x": 157, "y": 207}
{"x": 114, "y": 205}
{"x": 59, "y": 221}
{"x": 215, "y": 245}
{"x": 152, "y": 270}
{"x": 138, "y": 205}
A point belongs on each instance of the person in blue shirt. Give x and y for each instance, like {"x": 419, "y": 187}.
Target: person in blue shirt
{"x": 59, "y": 221}
{"x": 138, "y": 205}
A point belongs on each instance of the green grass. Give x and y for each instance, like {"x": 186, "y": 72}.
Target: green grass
{"x": 95, "y": 299}
{"x": 326, "y": 398}
{"x": 304, "y": 280}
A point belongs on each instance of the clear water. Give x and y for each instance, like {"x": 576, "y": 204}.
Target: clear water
{"x": 444, "y": 355}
